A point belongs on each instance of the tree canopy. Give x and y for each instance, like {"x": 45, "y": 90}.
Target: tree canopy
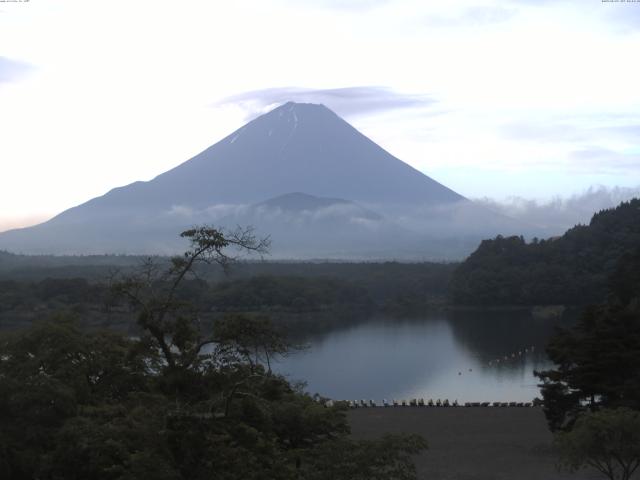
{"x": 572, "y": 269}
{"x": 607, "y": 440}
{"x": 177, "y": 401}
{"x": 597, "y": 362}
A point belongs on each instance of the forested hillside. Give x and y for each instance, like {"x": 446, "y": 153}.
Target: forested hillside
{"x": 571, "y": 269}
{"x": 290, "y": 292}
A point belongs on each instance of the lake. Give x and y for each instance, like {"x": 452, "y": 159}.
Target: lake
{"x": 468, "y": 356}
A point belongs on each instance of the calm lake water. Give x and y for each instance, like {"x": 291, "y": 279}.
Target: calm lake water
{"x": 446, "y": 355}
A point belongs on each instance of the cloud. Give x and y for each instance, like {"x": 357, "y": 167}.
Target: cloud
{"x": 622, "y": 16}
{"x": 234, "y": 214}
{"x": 625, "y": 131}
{"x": 596, "y": 145}
{"x": 12, "y": 70}
{"x": 543, "y": 132}
{"x": 574, "y": 129}
{"x": 180, "y": 211}
{"x": 618, "y": 15}
{"x": 211, "y": 213}
{"x": 221, "y": 210}
{"x": 559, "y": 214}
{"x": 473, "y": 17}
{"x": 346, "y": 101}
{"x": 353, "y": 5}
{"x": 604, "y": 160}
{"x": 336, "y": 211}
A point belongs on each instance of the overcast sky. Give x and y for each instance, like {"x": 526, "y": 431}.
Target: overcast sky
{"x": 492, "y": 98}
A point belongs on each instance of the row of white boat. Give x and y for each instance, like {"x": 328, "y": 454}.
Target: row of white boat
{"x": 420, "y": 402}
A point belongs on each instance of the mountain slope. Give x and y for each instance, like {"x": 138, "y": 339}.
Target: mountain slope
{"x": 294, "y": 148}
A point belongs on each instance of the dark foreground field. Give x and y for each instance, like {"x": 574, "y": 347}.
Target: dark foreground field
{"x": 471, "y": 443}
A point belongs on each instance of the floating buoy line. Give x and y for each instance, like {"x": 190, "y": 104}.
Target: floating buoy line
{"x": 512, "y": 356}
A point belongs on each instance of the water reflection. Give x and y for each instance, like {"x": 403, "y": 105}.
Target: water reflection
{"x": 442, "y": 356}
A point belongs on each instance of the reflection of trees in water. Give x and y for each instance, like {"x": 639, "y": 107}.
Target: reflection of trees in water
{"x": 492, "y": 335}
{"x": 315, "y": 326}
{"x": 485, "y": 335}
{"x": 441, "y": 354}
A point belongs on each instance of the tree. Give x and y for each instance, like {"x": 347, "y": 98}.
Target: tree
{"x": 78, "y": 404}
{"x": 597, "y": 365}
{"x": 253, "y": 337}
{"x": 172, "y": 323}
{"x": 571, "y": 269}
{"x": 53, "y": 373}
{"x": 607, "y": 440}
{"x": 383, "y": 459}
{"x": 598, "y": 360}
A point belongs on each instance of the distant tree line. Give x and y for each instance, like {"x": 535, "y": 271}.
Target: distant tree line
{"x": 336, "y": 290}
{"x": 297, "y": 294}
{"x": 572, "y": 269}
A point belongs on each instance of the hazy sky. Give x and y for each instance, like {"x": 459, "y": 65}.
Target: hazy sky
{"x": 491, "y": 98}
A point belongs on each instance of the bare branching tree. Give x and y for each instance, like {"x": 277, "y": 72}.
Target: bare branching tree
{"x": 153, "y": 290}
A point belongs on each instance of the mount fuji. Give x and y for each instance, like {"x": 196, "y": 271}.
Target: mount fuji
{"x": 298, "y": 173}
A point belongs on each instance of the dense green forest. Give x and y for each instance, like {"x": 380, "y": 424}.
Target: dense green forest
{"x": 300, "y": 295}
{"x": 597, "y": 360}
{"x": 570, "y": 270}
{"x": 179, "y": 400}
{"x": 591, "y": 395}
{"x": 384, "y": 281}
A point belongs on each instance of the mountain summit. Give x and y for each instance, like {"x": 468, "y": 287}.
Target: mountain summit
{"x": 297, "y": 147}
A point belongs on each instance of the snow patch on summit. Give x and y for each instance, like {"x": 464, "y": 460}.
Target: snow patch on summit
{"x": 235, "y": 137}
{"x": 293, "y": 116}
